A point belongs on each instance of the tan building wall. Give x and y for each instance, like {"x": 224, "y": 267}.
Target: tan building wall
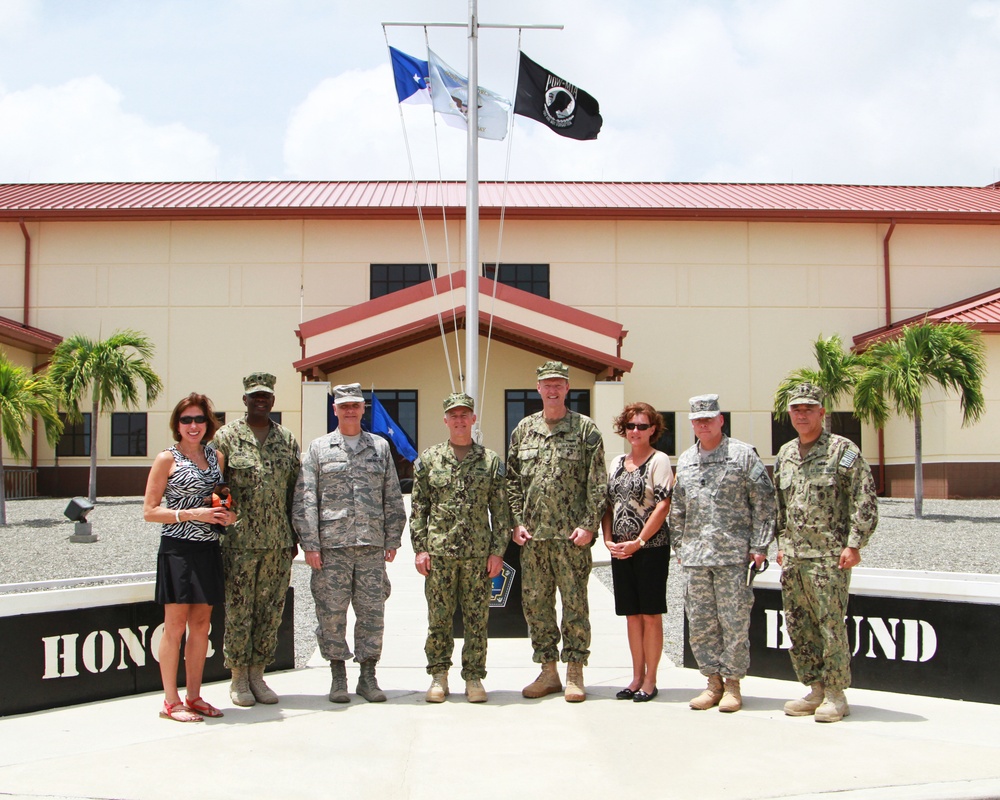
{"x": 719, "y": 306}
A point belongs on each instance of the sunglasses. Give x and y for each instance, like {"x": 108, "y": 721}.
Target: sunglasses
{"x": 637, "y": 426}
{"x": 201, "y": 419}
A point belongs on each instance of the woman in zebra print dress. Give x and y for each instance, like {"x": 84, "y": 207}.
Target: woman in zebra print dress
{"x": 189, "y": 563}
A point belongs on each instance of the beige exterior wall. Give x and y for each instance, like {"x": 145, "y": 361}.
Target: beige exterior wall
{"x": 728, "y": 307}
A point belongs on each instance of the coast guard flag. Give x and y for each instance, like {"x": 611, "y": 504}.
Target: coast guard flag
{"x": 384, "y": 424}
{"x": 563, "y": 107}
{"x": 450, "y": 97}
{"x": 410, "y": 75}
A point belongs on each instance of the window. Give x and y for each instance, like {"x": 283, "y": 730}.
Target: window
{"x": 667, "y": 443}
{"x": 533, "y": 278}
{"x": 389, "y": 278}
{"x": 275, "y": 416}
{"x": 75, "y": 439}
{"x": 128, "y": 434}
{"x": 220, "y": 417}
{"x": 842, "y": 422}
{"x": 519, "y": 403}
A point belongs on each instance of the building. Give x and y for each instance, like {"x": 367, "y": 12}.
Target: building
{"x": 650, "y": 292}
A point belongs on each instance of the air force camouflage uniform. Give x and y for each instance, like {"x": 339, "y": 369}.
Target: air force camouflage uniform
{"x": 460, "y": 517}
{"x": 348, "y": 504}
{"x": 556, "y": 482}
{"x": 723, "y": 511}
{"x": 826, "y": 502}
{"x": 258, "y": 548}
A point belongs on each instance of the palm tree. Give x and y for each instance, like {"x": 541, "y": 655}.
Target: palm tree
{"x": 24, "y": 397}
{"x": 951, "y": 355}
{"x": 109, "y": 370}
{"x": 838, "y": 372}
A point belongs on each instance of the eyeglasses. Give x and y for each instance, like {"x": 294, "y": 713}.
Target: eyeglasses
{"x": 637, "y": 426}
{"x": 201, "y": 419}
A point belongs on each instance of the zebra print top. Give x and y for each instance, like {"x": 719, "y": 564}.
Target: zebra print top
{"x": 189, "y": 487}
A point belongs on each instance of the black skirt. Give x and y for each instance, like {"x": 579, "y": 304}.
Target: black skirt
{"x": 189, "y": 572}
{"x": 641, "y": 582}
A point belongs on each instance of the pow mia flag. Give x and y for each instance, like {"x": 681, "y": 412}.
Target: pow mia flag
{"x": 563, "y": 107}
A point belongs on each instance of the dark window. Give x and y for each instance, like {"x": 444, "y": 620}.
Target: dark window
{"x": 519, "y": 403}
{"x": 275, "y": 416}
{"x": 128, "y": 434}
{"x": 75, "y": 439}
{"x": 389, "y": 278}
{"x": 842, "y": 422}
{"x": 667, "y": 442}
{"x": 533, "y": 278}
{"x": 220, "y": 417}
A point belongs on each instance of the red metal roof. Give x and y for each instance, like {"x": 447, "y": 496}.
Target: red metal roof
{"x": 981, "y": 312}
{"x": 331, "y": 199}
{"x": 25, "y": 337}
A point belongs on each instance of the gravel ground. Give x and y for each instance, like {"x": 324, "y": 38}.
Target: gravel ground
{"x": 954, "y": 536}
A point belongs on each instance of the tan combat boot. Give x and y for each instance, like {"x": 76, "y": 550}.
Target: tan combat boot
{"x": 239, "y": 689}
{"x": 575, "y": 693}
{"x": 338, "y": 684}
{"x": 834, "y": 707}
{"x": 261, "y": 691}
{"x": 711, "y": 696}
{"x": 732, "y": 700}
{"x": 474, "y": 691}
{"x": 368, "y": 687}
{"x": 547, "y": 682}
{"x": 438, "y": 690}
{"x": 806, "y": 706}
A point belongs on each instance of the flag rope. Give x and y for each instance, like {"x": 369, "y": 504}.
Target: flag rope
{"x": 423, "y": 234}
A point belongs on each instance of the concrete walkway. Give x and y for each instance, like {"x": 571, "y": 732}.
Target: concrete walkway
{"x": 892, "y": 746}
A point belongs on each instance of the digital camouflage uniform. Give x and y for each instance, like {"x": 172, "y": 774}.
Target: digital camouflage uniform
{"x": 460, "y": 517}
{"x": 556, "y": 482}
{"x": 723, "y": 510}
{"x": 826, "y": 502}
{"x": 258, "y": 548}
{"x": 348, "y": 505}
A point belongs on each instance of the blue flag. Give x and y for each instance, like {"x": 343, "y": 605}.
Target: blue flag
{"x": 410, "y": 75}
{"x": 384, "y": 424}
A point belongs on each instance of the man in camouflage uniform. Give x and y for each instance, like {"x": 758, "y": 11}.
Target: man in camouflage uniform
{"x": 349, "y": 517}
{"x": 556, "y": 483}
{"x": 721, "y": 518}
{"x": 262, "y": 464}
{"x": 459, "y": 526}
{"x": 827, "y": 511}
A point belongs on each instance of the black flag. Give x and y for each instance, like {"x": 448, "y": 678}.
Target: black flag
{"x": 560, "y": 105}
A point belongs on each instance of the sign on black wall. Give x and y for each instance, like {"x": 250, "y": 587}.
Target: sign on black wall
{"x": 61, "y": 658}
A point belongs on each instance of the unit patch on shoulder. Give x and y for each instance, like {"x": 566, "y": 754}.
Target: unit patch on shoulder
{"x": 848, "y": 459}
{"x": 758, "y": 470}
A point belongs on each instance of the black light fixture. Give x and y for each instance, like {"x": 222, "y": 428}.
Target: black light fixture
{"x": 76, "y": 512}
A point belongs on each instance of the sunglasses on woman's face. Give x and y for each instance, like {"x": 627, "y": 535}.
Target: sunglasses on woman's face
{"x": 199, "y": 420}
{"x": 637, "y": 426}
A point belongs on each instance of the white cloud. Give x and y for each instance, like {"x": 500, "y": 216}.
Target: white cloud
{"x": 79, "y": 132}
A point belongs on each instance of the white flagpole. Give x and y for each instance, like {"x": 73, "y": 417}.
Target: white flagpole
{"x": 472, "y": 215}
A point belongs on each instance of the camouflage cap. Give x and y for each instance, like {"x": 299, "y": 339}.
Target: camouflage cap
{"x": 704, "y": 406}
{"x": 259, "y": 382}
{"x": 553, "y": 369}
{"x": 806, "y": 394}
{"x": 347, "y": 393}
{"x": 458, "y": 399}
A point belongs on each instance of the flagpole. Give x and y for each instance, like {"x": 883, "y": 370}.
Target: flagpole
{"x": 472, "y": 214}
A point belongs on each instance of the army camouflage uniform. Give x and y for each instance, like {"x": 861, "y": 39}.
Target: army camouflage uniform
{"x": 556, "y": 482}
{"x": 723, "y": 511}
{"x": 460, "y": 517}
{"x": 348, "y": 505}
{"x": 826, "y": 502}
{"x": 258, "y": 548}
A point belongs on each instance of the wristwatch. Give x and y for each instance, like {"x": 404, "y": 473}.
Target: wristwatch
{"x": 641, "y": 541}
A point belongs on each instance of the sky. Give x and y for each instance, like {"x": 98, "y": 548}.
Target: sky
{"x": 760, "y": 91}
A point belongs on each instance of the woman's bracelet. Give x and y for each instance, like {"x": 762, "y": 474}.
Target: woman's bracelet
{"x": 177, "y": 516}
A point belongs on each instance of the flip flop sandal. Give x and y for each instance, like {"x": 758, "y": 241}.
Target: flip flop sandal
{"x": 178, "y": 713}
{"x": 200, "y": 706}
